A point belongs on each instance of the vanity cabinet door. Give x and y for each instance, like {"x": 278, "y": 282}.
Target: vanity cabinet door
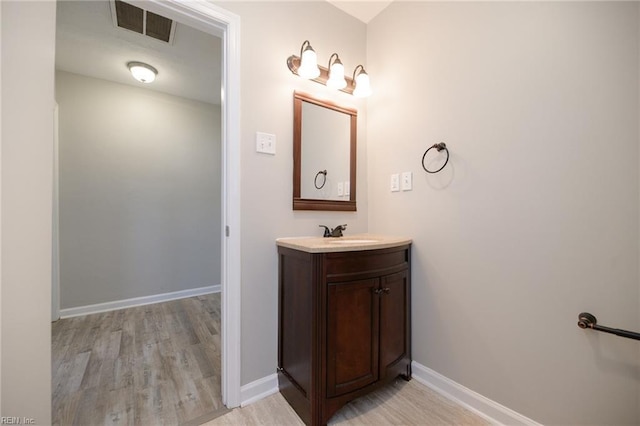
{"x": 352, "y": 335}
{"x": 394, "y": 324}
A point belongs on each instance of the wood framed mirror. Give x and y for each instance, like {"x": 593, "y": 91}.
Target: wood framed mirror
{"x": 324, "y": 154}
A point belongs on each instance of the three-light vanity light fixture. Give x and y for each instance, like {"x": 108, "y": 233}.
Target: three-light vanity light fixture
{"x": 306, "y": 66}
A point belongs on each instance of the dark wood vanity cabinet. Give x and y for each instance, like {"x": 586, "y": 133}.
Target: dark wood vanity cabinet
{"x": 344, "y": 326}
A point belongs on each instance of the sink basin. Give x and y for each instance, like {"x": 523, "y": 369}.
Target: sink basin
{"x": 353, "y": 241}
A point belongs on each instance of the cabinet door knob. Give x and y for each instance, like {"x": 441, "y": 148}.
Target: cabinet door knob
{"x": 386, "y": 290}
{"x": 377, "y": 290}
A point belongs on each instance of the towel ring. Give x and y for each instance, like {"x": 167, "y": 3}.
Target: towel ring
{"x": 439, "y": 147}
{"x": 315, "y": 180}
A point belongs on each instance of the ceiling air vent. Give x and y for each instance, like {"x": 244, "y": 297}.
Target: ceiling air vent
{"x": 133, "y": 18}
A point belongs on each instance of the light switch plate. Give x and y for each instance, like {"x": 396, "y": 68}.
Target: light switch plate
{"x": 395, "y": 182}
{"x": 407, "y": 181}
{"x": 266, "y": 143}
{"x": 340, "y": 189}
{"x": 347, "y": 189}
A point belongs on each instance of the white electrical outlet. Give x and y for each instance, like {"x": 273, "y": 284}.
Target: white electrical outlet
{"x": 265, "y": 143}
{"x": 395, "y": 182}
{"x": 407, "y": 181}
{"x": 347, "y": 188}
{"x": 340, "y": 189}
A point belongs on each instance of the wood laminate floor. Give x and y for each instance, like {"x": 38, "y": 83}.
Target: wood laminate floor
{"x": 400, "y": 403}
{"x": 160, "y": 365}
{"x": 149, "y": 365}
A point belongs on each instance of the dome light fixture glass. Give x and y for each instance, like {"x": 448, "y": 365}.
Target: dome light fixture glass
{"x": 142, "y": 72}
{"x": 336, "y": 73}
{"x": 308, "y": 62}
{"x": 362, "y": 84}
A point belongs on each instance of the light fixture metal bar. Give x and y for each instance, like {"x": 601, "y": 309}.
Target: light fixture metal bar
{"x": 293, "y": 62}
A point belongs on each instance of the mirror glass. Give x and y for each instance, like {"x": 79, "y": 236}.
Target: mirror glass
{"x": 324, "y": 155}
{"x": 325, "y": 152}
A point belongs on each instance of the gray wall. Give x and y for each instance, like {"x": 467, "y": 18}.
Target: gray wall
{"x": 271, "y": 32}
{"x": 28, "y": 48}
{"x": 535, "y": 218}
{"x": 139, "y": 192}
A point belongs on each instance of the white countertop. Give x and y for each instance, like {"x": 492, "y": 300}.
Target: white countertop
{"x": 347, "y": 243}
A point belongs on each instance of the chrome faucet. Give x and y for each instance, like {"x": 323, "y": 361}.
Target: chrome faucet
{"x": 335, "y": 232}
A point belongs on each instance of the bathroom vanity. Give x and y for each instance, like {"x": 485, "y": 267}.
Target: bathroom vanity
{"x": 343, "y": 319}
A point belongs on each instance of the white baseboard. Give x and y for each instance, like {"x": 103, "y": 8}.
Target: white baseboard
{"x": 137, "y": 301}
{"x": 495, "y": 413}
{"x": 492, "y": 411}
{"x": 258, "y": 389}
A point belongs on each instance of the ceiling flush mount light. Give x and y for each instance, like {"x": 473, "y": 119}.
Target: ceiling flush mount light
{"x": 306, "y": 66}
{"x": 336, "y": 73}
{"x": 142, "y": 72}
{"x": 362, "y": 87}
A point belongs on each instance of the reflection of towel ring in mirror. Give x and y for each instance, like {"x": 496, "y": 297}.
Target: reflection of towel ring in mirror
{"x": 439, "y": 147}
{"x": 315, "y": 181}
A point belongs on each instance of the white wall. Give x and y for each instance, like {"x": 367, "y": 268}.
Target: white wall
{"x": 271, "y": 32}
{"x": 139, "y": 191}
{"x": 28, "y": 38}
{"x": 538, "y": 103}
{"x": 535, "y": 219}
{"x": 0, "y": 215}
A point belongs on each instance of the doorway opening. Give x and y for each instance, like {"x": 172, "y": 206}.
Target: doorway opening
{"x": 220, "y": 23}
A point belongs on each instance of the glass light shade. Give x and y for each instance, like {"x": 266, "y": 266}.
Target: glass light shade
{"x": 142, "y": 72}
{"x": 336, "y": 76}
{"x": 309, "y": 64}
{"x": 363, "y": 86}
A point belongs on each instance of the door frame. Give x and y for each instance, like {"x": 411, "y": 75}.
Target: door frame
{"x": 55, "y": 226}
